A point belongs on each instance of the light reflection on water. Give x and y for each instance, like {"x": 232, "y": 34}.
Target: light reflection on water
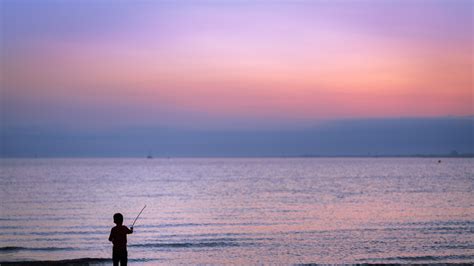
{"x": 244, "y": 211}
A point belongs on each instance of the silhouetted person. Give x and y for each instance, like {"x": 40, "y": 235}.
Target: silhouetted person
{"x": 118, "y": 236}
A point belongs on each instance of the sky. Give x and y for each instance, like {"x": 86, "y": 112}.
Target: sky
{"x": 220, "y": 75}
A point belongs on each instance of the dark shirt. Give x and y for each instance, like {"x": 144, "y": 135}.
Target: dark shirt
{"x": 118, "y": 236}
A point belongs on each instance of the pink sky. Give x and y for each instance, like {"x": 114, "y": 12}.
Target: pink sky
{"x": 310, "y": 61}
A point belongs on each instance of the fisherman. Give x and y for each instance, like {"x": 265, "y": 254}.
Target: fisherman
{"x": 118, "y": 236}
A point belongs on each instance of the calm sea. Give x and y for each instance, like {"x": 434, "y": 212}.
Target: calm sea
{"x": 241, "y": 211}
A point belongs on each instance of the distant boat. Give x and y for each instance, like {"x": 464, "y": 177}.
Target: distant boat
{"x": 149, "y": 157}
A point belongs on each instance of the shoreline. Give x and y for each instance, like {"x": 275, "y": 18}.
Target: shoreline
{"x": 72, "y": 262}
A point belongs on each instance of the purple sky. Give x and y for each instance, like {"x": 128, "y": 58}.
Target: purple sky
{"x": 100, "y": 66}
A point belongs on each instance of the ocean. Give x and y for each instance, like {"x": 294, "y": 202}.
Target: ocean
{"x": 240, "y": 210}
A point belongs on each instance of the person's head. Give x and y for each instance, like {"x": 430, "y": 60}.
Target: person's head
{"x": 118, "y": 218}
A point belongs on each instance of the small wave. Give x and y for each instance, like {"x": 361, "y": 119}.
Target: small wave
{"x": 452, "y": 246}
{"x": 188, "y": 225}
{"x": 81, "y": 261}
{"x": 169, "y": 225}
{"x": 14, "y": 248}
{"x": 189, "y": 245}
{"x": 426, "y": 258}
{"x": 54, "y": 233}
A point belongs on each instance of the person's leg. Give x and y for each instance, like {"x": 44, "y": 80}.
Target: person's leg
{"x": 124, "y": 259}
{"x": 115, "y": 260}
{"x": 117, "y": 256}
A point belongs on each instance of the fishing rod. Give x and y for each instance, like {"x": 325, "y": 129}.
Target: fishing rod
{"x": 138, "y": 216}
